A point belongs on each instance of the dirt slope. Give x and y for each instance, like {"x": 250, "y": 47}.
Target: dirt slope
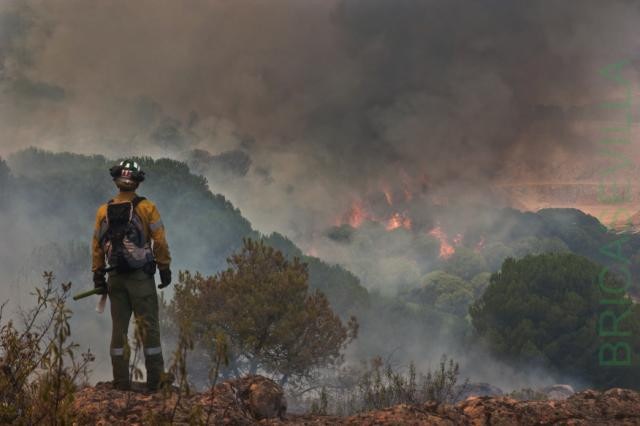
{"x": 257, "y": 400}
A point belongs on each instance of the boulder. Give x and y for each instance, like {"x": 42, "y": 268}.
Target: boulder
{"x": 558, "y": 392}
{"x": 262, "y": 397}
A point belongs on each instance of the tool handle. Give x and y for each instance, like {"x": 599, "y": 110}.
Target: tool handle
{"x": 95, "y": 290}
{"x": 86, "y": 294}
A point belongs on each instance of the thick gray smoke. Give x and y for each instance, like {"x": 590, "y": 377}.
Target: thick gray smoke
{"x": 295, "y": 109}
{"x": 329, "y": 100}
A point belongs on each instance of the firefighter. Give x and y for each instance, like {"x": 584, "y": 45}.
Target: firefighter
{"x": 125, "y": 228}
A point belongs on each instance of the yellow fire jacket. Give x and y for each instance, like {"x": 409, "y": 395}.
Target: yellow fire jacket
{"x": 153, "y": 228}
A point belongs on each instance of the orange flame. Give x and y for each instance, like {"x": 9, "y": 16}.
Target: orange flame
{"x": 356, "y": 214}
{"x": 398, "y": 220}
{"x": 446, "y": 249}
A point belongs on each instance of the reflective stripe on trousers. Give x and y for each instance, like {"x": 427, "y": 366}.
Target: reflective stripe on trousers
{"x": 117, "y": 351}
{"x": 153, "y": 351}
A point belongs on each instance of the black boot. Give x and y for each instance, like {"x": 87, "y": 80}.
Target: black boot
{"x": 155, "y": 370}
{"x": 120, "y": 366}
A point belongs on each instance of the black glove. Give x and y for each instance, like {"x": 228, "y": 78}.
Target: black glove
{"x": 100, "y": 282}
{"x": 165, "y": 278}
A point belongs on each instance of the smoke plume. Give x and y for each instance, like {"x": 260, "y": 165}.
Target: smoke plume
{"x": 328, "y": 100}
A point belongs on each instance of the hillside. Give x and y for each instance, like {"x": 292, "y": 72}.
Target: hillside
{"x": 47, "y": 207}
{"x": 466, "y": 240}
{"x": 49, "y": 202}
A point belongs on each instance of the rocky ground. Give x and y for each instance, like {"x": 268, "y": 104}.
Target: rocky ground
{"x": 257, "y": 400}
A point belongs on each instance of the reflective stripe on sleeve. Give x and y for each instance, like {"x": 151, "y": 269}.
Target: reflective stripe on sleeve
{"x": 117, "y": 351}
{"x": 156, "y": 226}
{"x": 153, "y": 351}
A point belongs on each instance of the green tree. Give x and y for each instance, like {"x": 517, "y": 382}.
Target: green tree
{"x": 479, "y": 283}
{"x": 465, "y": 263}
{"x": 262, "y": 303}
{"x": 545, "y": 310}
{"x": 445, "y": 292}
{"x": 342, "y": 288}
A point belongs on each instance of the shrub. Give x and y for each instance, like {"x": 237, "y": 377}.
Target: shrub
{"x": 377, "y": 385}
{"x": 40, "y": 368}
{"x": 262, "y": 304}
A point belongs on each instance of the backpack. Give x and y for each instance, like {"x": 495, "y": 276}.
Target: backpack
{"x": 122, "y": 237}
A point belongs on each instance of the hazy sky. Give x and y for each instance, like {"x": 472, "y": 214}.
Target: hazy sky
{"x": 325, "y": 100}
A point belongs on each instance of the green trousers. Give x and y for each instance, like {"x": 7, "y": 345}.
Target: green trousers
{"x": 134, "y": 292}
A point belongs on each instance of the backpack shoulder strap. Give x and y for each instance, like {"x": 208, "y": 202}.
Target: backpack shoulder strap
{"x": 137, "y": 201}
{"x": 106, "y": 214}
